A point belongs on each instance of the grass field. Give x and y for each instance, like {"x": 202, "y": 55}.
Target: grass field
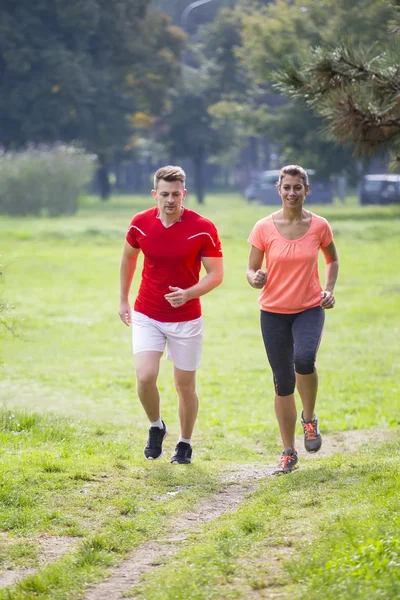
{"x": 72, "y": 430}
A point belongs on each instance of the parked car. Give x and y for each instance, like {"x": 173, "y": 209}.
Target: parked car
{"x": 263, "y": 189}
{"x": 380, "y": 189}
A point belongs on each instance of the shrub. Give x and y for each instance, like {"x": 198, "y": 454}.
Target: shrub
{"x": 44, "y": 180}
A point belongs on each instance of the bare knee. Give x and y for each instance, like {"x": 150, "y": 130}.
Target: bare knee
{"x": 147, "y": 366}
{"x": 185, "y": 390}
{"x": 185, "y": 383}
{"x": 146, "y": 378}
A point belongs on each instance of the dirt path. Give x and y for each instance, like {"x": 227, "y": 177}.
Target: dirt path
{"x": 51, "y": 548}
{"x": 239, "y": 482}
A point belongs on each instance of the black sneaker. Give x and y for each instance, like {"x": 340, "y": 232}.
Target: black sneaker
{"x": 183, "y": 454}
{"x": 287, "y": 462}
{"x": 312, "y": 436}
{"x": 156, "y": 437}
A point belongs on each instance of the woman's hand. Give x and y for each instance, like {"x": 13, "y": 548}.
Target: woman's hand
{"x": 327, "y": 299}
{"x": 260, "y": 278}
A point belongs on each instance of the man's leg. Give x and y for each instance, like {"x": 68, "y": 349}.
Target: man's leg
{"x": 185, "y": 384}
{"x": 185, "y": 341}
{"x": 147, "y": 366}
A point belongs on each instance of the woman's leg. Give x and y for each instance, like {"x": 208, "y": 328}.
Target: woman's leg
{"x": 286, "y": 415}
{"x": 278, "y": 341}
{"x": 307, "y": 331}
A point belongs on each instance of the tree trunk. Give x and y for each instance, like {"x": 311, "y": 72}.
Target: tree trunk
{"x": 198, "y": 164}
{"x": 103, "y": 181}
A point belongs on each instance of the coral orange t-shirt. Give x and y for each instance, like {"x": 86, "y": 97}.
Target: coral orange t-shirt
{"x": 293, "y": 283}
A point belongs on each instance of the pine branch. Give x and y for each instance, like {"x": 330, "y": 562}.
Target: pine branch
{"x": 368, "y": 129}
{"x": 394, "y": 25}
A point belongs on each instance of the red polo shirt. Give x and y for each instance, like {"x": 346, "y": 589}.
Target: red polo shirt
{"x": 172, "y": 257}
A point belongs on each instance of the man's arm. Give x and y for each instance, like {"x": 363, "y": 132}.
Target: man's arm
{"x": 256, "y": 276}
{"x": 215, "y": 274}
{"x": 126, "y": 272}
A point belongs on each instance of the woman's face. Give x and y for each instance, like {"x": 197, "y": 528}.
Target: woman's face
{"x": 293, "y": 191}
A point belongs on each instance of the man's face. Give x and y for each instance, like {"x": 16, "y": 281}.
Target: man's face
{"x": 169, "y": 196}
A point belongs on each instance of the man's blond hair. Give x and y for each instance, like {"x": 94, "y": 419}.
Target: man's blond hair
{"x": 169, "y": 173}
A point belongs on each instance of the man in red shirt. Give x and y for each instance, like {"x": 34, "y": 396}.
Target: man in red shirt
{"x": 175, "y": 242}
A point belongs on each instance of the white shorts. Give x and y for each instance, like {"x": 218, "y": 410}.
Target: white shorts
{"x": 184, "y": 339}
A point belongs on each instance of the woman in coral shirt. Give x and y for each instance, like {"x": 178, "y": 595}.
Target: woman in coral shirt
{"x": 293, "y": 304}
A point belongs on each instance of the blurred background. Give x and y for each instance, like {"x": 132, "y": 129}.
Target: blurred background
{"x": 97, "y": 95}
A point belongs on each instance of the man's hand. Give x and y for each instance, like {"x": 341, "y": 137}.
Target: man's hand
{"x": 177, "y": 297}
{"x": 259, "y": 279}
{"x": 327, "y": 299}
{"x": 125, "y": 312}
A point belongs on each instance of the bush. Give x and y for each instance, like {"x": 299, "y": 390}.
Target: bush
{"x": 44, "y": 180}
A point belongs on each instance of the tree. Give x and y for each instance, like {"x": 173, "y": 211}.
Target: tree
{"x": 187, "y": 129}
{"x": 72, "y": 70}
{"x": 199, "y": 15}
{"x": 355, "y": 91}
{"x": 286, "y": 28}
{"x": 282, "y": 29}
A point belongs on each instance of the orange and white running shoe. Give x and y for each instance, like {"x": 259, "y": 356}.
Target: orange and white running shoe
{"x": 312, "y": 436}
{"x": 287, "y": 462}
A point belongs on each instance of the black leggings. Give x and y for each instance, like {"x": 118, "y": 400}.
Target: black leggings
{"x": 291, "y": 342}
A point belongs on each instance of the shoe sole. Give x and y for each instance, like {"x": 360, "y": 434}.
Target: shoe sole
{"x": 160, "y": 455}
{"x": 278, "y": 473}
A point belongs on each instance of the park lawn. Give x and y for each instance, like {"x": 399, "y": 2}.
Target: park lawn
{"x": 328, "y": 531}
{"x": 72, "y": 431}
{"x": 86, "y": 483}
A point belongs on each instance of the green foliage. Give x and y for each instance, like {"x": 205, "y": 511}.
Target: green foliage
{"x": 73, "y": 70}
{"x": 44, "y": 179}
{"x": 187, "y": 129}
{"x": 191, "y": 127}
{"x": 354, "y": 89}
{"x": 285, "y": 30}
{"x": 302, "y": 141}
{"x": 234, "y": 117}
{"x": 200, "y": 14}
{"x": 219, "y": 42}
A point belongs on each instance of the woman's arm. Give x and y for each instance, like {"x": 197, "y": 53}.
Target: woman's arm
{"x": 331, "y": 273}
{"x": 256, "y": 276}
